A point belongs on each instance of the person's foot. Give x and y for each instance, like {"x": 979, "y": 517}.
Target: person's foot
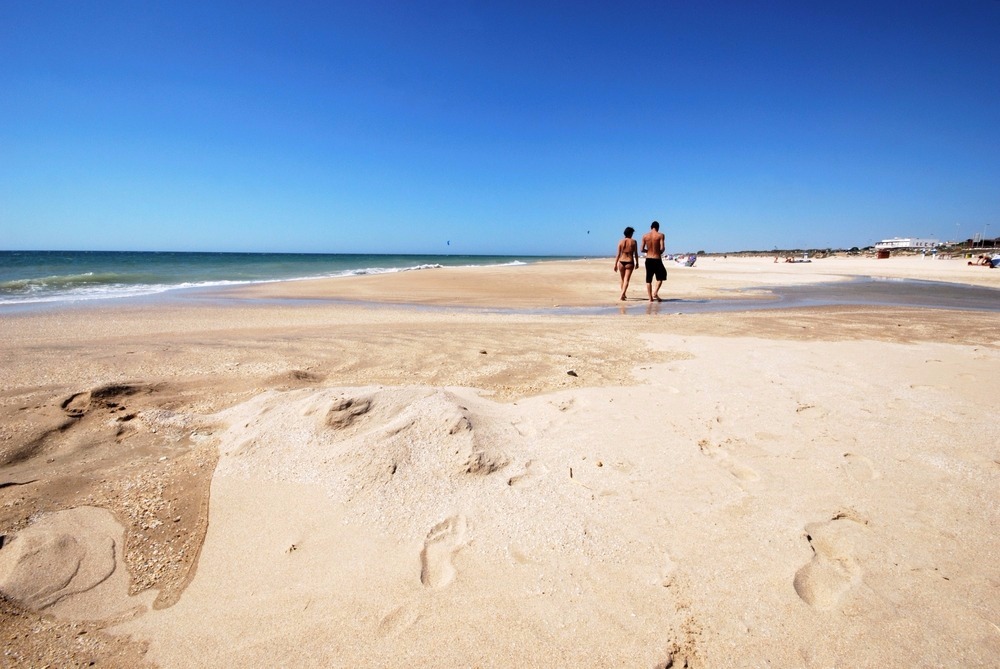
{"x": 655, "y": 298}
{"x": 622, "y": 298}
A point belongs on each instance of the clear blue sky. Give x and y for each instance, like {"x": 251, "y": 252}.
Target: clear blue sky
{"x": 502, "y": 127}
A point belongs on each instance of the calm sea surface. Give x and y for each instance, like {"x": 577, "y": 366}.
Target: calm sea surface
{"x": 69, "y": 276}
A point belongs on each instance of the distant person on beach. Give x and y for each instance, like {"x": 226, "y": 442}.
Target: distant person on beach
{"x": 626, "y": 260}
{"x": 652, "y": 247}
{"x": 982, "y": 260}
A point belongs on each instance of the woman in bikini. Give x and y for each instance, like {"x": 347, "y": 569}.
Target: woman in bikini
{"x": 626, "y": 260}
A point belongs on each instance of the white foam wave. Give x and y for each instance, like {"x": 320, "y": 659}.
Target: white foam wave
{"x": 38, "y": 294}
{"x": 106, "y": 292}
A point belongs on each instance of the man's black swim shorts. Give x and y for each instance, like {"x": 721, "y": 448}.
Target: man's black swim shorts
{"x": 654, "y": 267}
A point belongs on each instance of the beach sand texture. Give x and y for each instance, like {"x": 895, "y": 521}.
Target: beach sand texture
{"x": 193, "y": 483}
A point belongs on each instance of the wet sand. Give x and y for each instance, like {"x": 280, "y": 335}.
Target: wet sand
{"x": 302, "y": 473}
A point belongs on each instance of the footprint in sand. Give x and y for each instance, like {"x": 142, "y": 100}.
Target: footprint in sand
{"x": 667, "y": 571}
{"x": 860, "y": 468}
{"x": 525, "y": 429}
{"x": 76, "y": 405}
{"x": 345, "y": 411}
{"x": 443, "y": 541}
{"x": 564, "y": 405}
{"x": 521, "y": 557}
{"x": 727, "y": 461}
{"x": 675, "y": 660}
{"x": 399, "y": 619}
{"x": 832, "y": 572}
{"x": 532, "y": 470}
{"x": 918, "y": 386}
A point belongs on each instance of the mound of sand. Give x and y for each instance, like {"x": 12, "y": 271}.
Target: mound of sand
{"x": 374, "y": 449}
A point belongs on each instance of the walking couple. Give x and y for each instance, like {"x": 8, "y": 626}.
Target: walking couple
{"x": 628, "y": 258}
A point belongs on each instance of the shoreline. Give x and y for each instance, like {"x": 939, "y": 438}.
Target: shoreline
{"x": 731, "y": 284}
{"x": 408, "y": 471}
{"x": 716, "y": 278}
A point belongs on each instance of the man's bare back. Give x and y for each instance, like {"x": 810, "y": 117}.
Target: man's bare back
{"x": 652, "y": 244}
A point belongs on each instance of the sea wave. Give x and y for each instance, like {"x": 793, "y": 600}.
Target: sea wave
{"x": 103, "y": 286}
{"x": 377, "y": 270}
{"x": 55, "y": 282}
{"x": 113, "y": 291}
{"x": 82, "y": 293}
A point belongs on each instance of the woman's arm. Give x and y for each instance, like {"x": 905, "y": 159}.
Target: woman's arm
{"x": 618, "y": 254}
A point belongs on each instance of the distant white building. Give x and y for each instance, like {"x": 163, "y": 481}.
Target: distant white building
{"x": 908, "y": 243}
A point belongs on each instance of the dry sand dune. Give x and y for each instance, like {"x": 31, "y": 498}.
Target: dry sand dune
{"x": 322, "y": 484}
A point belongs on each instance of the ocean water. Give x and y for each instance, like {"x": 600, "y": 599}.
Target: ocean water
{"x": 68, "y": 276}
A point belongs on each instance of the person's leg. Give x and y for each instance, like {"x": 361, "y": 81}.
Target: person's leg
{"x": 649, "y": 280}
{"x": 661, "y": 275}
{"x": 626, "y": 276}
{"x": 655, "y": 297}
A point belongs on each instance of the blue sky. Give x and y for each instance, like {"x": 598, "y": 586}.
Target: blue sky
{"x": 502, "y": 127}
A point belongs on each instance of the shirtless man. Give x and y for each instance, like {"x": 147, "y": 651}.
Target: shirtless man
{"x": 652, "y": 246}
{"x": 626, "y": 260}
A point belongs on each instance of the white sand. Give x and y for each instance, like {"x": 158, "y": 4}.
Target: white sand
{"x": 730, "y": 510}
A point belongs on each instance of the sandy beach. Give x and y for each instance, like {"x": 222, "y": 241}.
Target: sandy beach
{"x": 504, "y": 467}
